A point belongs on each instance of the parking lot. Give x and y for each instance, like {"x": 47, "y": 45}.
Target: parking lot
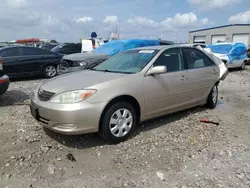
{"x": 173, "y": 151}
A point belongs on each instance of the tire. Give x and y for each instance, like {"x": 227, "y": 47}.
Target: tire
{"x": 243, "y": 66}
{"x": 212, "y": 97}
{"x": 50, "y": 71}
{"x": 4, "y": 88}
{"x": 120, "y": 133}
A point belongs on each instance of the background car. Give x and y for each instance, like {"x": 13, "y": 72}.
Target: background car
{"x": 234, "y": 55}
{"x": 4, "y": 80}
{"x": 81, "y": 61}
{"x": 29, "y": 61}
{"x": 67, "y": 48}
{"x": 47, "y": 46}
{"x": 195, "y": 45}
{"x": 126, "y": 89}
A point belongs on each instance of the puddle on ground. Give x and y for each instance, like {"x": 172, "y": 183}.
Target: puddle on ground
{"x": 225, "y": 106}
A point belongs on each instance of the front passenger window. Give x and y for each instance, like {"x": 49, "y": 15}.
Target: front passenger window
{"x": 172, "y": 59}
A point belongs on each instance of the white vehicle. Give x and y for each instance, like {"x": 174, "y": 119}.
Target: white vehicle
{"x": 91, "y": 44}
{"x": 232, "y": 54}
{"x": 195, "y": 45}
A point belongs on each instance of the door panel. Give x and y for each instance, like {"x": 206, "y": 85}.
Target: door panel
{"x": 10, "y": 65}
{"x": 166, "y": 92}
{"x": 200, "y": 83}
{"x": 11, "y": 60}
{"x": 202, "y": 74}
{"x": 32, "y": 60}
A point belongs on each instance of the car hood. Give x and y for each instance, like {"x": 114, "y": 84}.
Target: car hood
{"x": 78, "y": 80}
{"x": 84, "y": 56}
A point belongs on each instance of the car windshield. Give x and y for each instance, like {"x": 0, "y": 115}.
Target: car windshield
{"x": 110, "y": 48}
{"x": 129, "y": 62}
{"x": 221, "y": 48}
{"x": 56, "y": 49}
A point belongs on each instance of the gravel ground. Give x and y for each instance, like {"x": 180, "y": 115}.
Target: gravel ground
{"x": 175, "y": 151}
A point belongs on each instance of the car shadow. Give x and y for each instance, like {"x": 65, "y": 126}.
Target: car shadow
{"x": 239, "y": 70}
{"x": 26, "y": 78}
{"x": 14, "y": 97}
{"x": 93, "y": 140}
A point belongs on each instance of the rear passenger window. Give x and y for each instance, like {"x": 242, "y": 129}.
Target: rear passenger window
{"x": 10, "y": 52}
{"x": 195, "y": 58}
{"x": 172, "y": 59}
{"x": 31, "y": 51}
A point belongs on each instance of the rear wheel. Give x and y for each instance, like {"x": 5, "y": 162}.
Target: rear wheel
{"x": 50, "y": 71}
{"x": 212, "y": 97}
{"x": 243, "y": 66}
{"x": 118, "y": 122}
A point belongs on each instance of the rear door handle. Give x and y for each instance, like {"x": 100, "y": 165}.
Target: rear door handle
{"x": 214, "y": 71}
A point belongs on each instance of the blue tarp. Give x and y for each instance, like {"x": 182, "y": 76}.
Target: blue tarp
{"x": 234, "y": 51}
{"x": 116, "y": 46}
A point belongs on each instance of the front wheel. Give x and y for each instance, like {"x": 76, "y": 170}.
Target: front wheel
{"x": 50, "y": 71}
{"x": 212, "y": 97}
{"x": 118, "y": 122}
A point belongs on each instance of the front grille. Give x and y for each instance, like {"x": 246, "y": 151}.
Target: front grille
{"x": 45, "y": 95}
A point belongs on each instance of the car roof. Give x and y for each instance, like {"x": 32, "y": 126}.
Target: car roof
{"x": 192, "y": 44}
{"x": 7, "y": 47}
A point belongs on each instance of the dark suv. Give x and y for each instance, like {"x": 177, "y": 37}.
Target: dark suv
{"x": 4, "y": 80}
{"x": 67, "y": 48}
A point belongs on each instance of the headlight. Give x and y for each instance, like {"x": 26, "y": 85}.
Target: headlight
{"x": 32, "y": 94}
{"x": 72, "y": 96}
{"x": 83, "y": 63}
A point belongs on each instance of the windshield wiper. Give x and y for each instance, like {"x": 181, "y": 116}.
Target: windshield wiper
{"x": 105, "y": 70}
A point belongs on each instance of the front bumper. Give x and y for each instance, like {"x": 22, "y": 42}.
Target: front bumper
{"x": 4, "y": 84}
{"x": 70, "y": 119}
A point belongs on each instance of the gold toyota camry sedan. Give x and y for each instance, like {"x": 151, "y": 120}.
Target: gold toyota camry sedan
{"x": 126, "y": 89}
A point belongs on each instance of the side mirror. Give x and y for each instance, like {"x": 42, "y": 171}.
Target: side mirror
{"x": 157, "y": 70}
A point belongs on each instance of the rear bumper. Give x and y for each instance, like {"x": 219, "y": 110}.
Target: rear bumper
{"x": 224, "y": 75}
{"x": 4, "y": 84}
{"x": 235, "y": 65}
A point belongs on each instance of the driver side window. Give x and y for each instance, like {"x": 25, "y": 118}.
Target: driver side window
{"x": 172, "y": 59}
